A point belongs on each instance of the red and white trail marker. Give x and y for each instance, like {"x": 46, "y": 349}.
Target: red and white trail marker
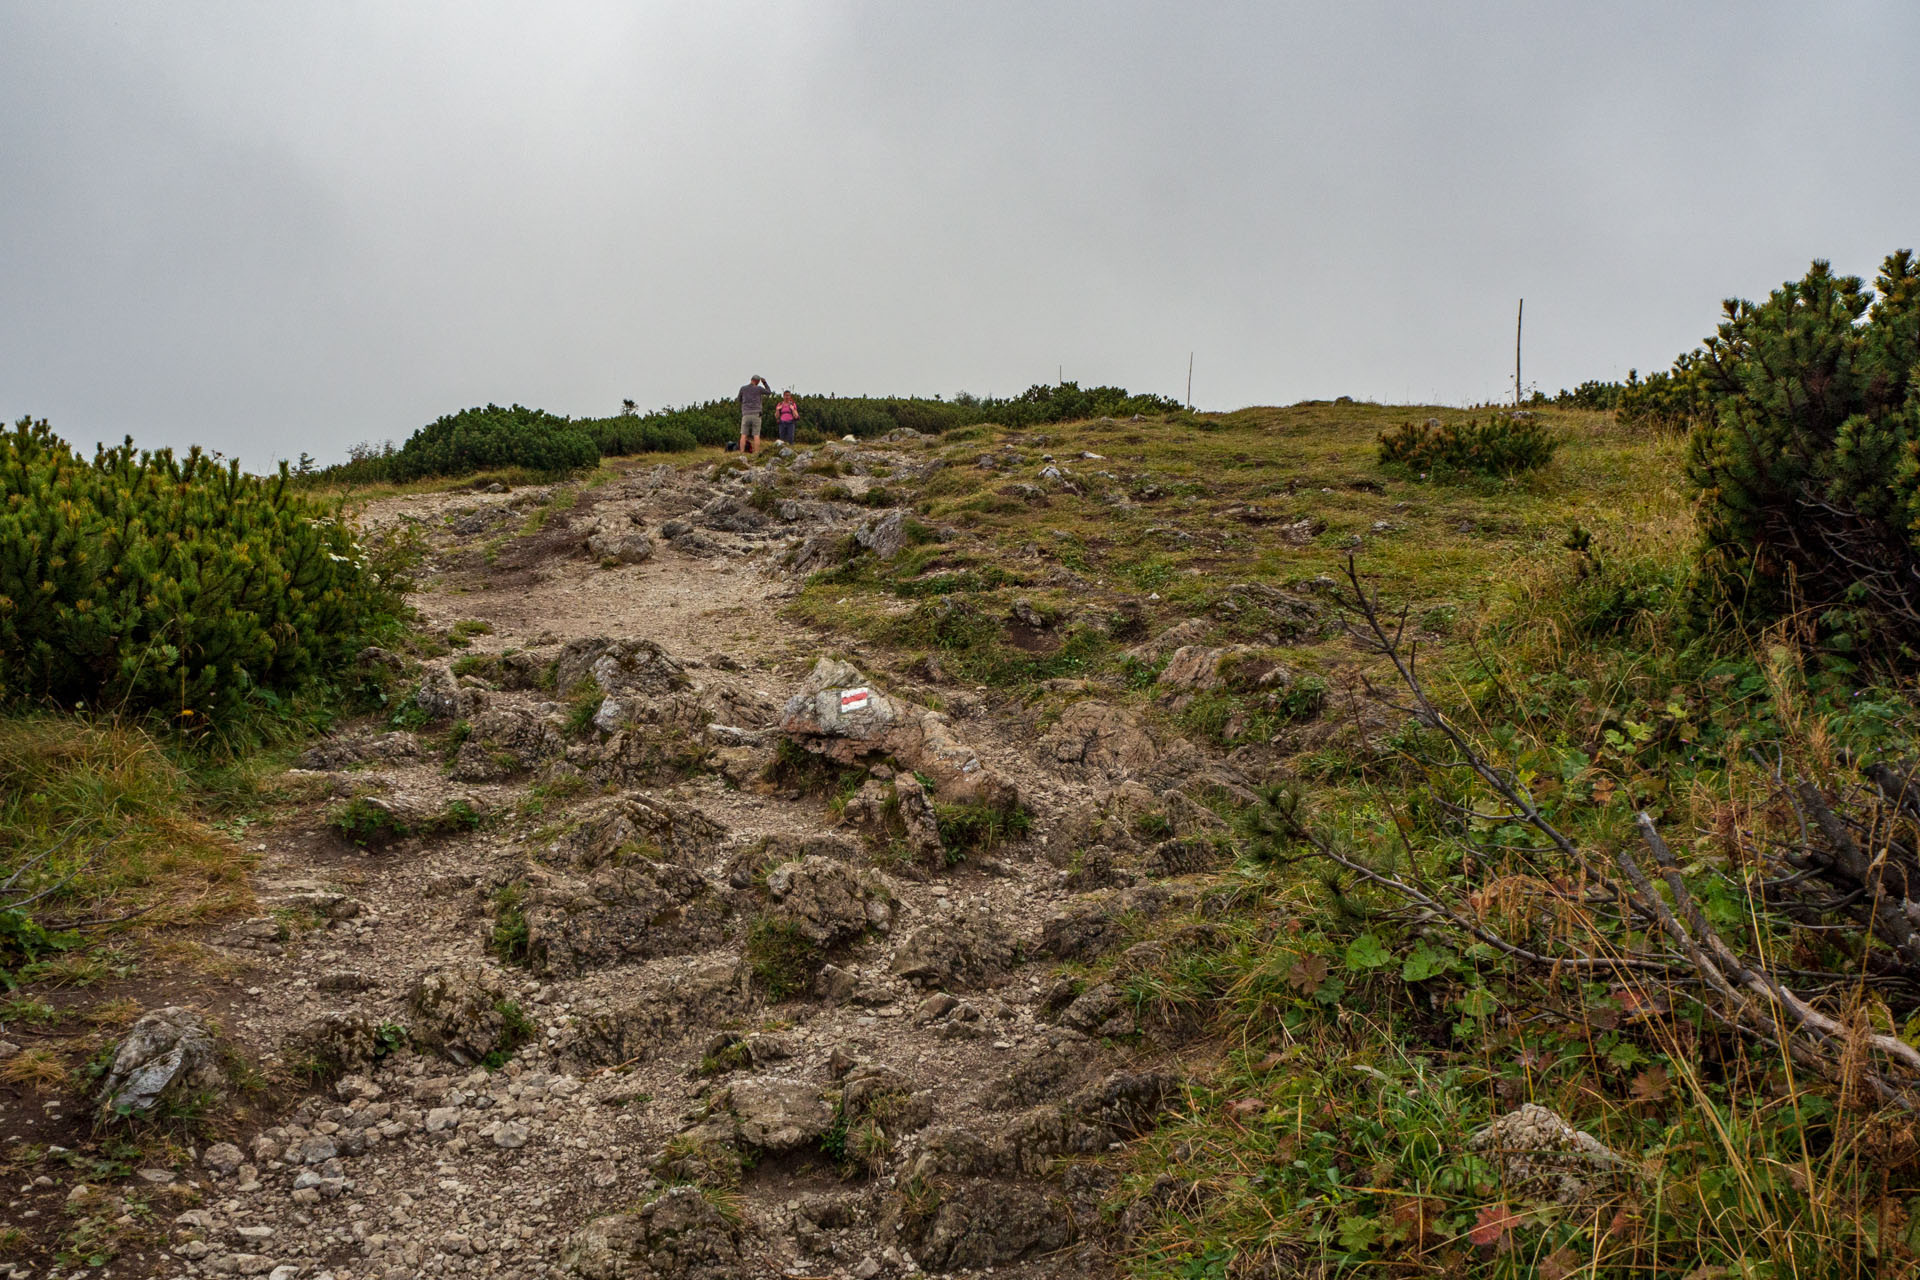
{"x": 855, "y": 700}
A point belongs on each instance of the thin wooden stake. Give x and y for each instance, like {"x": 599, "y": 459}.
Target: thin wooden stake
{"x": 1517, "y": 318}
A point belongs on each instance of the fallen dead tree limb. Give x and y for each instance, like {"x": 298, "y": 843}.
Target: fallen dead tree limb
{"x": 1854, "y": 866}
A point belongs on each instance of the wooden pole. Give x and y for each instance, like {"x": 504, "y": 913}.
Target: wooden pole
{"x": 1517, "y": 318}
{"x": 1189, "y": 382}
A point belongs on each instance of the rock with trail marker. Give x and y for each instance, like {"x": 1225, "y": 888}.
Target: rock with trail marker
{"x": 838, "y": 714}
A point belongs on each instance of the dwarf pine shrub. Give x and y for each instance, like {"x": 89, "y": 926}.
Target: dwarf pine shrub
{"x": 1669, "y": 400}
{"x": 155, "y": 583}
{"x": 1502, "y": 447}
{"x": 482, "y": 439}
{"x": 1806, "y": 465}
{"x": 629, "y": 433}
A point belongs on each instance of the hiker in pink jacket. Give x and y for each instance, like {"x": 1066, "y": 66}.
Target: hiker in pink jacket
{"x": 788, "y": 413}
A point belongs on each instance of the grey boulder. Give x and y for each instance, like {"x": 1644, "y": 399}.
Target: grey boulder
{"x": 169, "y": 1054}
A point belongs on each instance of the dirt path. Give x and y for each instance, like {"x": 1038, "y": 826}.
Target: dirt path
{"x": 656, "y": 1016}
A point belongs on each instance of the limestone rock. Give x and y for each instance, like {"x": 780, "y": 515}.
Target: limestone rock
{"x": 1095, "y": 923}
{"x": 1101, "y": 1010}
{"x": 1180, "y": 857}
{"x": 403, "y": 812}
{"x": 885, "y": 1095}
{"x": 1259, "y": 606}
{"x": 319, "y": 899}
{"x": 1197, "y": 668}
{"x": 884, "y": 535}
{"x": 223, "y": 1158}
{"x": 618, "y": 667}
{"x": 624, "y": 826}
{"x": 1301, "y": 532}
{"x": 505, "y": 742}
{"x": 619, "y": 541}
{"x": 339, "y": 753}
{"x": 967, "y": 949}
{"x": 679, "y": 1235}
{"x": 830, "y": 717}
{"x": 1039, "y": 1072}
{"x": 458, "y": 1011}
{"x": 663, "y": 1002}
{"x": 730, "y": 513}
{"x": 1191, "y": 631}
{"x": 748, "y": 862}
{"x": 339, "y": 1040}
{"x": 979, "y": 1224}
{"x": 635, "y": 908}
{"x": 1128, "y": 1103}
{"x": 827, "y": 902}
{"x": 923, "y": 827}
{"x": 773, "y": 1114}
{"x": 834, "y": 984}
{"x": 441, "y": 699}
{"x": 1104, "y": 741}
{"x": 1540, "y": 1154}
{"x": 168, "y": 1053}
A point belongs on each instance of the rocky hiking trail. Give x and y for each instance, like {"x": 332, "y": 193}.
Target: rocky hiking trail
{"x": 656, "y": 962}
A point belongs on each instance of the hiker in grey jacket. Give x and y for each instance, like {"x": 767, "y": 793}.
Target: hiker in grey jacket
{"x": 751, "y": 397}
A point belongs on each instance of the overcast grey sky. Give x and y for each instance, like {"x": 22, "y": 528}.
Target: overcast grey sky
{"x": 276, "y": 227}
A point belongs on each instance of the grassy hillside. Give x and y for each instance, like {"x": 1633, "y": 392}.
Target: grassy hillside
{"x": 1352, "y": 1041}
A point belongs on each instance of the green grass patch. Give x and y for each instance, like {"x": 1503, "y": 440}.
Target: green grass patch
{"x": 978, "y": 828}
{"x": 461, "y": 633}
{"x": 372, "y": 825}
{"x": 782, "y": 959}
{"x": 516, "y": 1029}
{"x": 511, "y": 939}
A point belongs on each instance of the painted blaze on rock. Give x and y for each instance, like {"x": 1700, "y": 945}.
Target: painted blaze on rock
{"x": 838, "y": 714}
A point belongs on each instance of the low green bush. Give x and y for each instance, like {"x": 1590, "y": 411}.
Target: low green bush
{"x": 145, "y": 582}
{"x": 1806, "y": 463}
{"x": 630, "y": 433}
{"x": 1667, "y": 400}
{"x": 482, "y": 438}
{"x": 543, "y": 443}
{"x": 1500, "y": 447}
{"x": 831, "y": 417}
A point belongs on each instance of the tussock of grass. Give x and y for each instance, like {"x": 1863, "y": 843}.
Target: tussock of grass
{"x": 373, "y": 826}
{"x": 782, "y": 959}
{"x": 39, "y": 1069}
{"x": 978, "y": 828}
{"x": 511, "y": 938}
{"x": 105, "y": 817}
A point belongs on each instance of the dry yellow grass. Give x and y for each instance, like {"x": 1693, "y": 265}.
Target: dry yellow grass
{"x": 40, "y": 1070}
{"x": 106, "y": 820}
